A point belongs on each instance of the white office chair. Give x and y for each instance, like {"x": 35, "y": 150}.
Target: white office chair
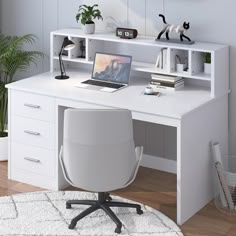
{"x": 98, "y": 155}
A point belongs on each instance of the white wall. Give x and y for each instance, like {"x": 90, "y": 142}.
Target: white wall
{"x": 211, "y": 20}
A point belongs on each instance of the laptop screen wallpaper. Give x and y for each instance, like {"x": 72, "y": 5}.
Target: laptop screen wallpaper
{"x": 113, "y": 68}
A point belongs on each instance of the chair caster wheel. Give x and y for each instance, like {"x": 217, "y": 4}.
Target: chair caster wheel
{"x": 109, "y": 199}
{"x": 118, "y": 230}
{"x": 71, "y": 226}
{"x": 68, "y": 206}
{"x": 139, "y": 212}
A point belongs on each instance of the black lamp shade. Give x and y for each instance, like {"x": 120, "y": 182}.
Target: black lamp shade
{"x": 67, "y": 44}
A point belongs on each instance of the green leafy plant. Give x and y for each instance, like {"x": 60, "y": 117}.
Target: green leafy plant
{"x": 207, "y": 57}
{"x": 86, "y": 14}
{"x": 13, "y": 58}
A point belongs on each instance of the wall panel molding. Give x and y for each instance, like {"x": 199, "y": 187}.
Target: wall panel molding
{"x": 114, "y": 14}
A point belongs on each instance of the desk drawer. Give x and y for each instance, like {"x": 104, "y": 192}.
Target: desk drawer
{"x": 32, "y": 132}
{"x": 32, "y": 106}
{"x": 32, "y": 159}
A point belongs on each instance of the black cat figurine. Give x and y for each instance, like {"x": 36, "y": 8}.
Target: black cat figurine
{"x": 168, "y": 28}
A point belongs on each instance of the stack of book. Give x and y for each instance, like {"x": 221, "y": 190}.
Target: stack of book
{"x": 167, "y": 82}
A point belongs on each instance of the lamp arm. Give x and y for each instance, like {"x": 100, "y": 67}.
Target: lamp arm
{"x": 63, "y": 66}
{"x": 62, "y": 69}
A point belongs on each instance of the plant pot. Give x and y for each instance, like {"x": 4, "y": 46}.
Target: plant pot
{"x": 3, "y": 148}
{"x": 181, "y": 67}
{"x": 89, "y": 28}
{"x": 207, "y": 68}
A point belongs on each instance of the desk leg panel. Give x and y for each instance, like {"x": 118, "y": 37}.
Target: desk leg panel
{"x": 194, "y": 161}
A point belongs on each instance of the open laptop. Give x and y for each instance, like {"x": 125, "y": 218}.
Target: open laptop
{"x": 110, "y": 73}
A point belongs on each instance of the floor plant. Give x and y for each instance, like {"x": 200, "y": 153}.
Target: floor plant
{"x": 13, "y": 58}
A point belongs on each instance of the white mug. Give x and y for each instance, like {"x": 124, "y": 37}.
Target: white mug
{"x": 149, "y": 90}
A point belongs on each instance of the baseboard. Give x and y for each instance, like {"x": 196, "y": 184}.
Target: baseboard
{"x": 159, "y": 163}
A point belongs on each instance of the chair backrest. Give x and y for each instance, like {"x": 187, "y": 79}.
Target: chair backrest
{"x": 98, "y": 148}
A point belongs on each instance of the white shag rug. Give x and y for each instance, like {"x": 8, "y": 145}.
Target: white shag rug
{"x": 45, "y": 214}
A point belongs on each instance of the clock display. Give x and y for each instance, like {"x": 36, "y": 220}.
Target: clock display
{"x": 126, "y": 33}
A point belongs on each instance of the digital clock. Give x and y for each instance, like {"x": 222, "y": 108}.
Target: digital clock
{"x": 126, "y": 33}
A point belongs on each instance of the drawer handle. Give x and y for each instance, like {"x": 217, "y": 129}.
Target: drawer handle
{"x": 31, "y": 106}
{"x": 32, "y": 160}
{"x": 32, "y": 132}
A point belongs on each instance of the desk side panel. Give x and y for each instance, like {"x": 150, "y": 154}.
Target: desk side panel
{"x": 220, "y": 81}
{"x": 194, "y": 166}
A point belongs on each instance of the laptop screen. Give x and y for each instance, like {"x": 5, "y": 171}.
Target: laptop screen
{"x": 112, "y": 68}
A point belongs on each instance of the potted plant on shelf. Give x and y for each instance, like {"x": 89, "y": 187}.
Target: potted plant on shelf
{"x": 207, "y": 62}
{"x": 86, "y": 15}
{"x": 13, "y": 58}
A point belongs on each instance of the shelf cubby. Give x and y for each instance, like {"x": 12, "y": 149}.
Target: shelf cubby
{"x": 93, "y": 47}
{"x": 179, "y": 57}
{"x": 57, "y": 42}
{"x": 197, "y": 65}
{"x": 79, "y": 51}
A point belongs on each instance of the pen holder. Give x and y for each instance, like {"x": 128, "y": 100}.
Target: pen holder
{"x": 181, "y": 67}
{"x": 181, "y": 64}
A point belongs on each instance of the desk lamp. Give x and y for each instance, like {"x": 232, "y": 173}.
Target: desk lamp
{"x": 66, "y": 45}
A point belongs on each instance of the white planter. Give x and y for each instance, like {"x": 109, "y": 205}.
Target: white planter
{"x": 181, "y": 67}
{"x": 89, "y": 28}
{"x": 3, "y": 149}
{"x": 207, "y": 68}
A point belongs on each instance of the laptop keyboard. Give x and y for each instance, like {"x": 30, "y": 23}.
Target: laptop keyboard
{"x": 103, "y": 84}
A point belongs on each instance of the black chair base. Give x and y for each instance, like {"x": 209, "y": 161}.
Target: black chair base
{"x": 104, "y": 202}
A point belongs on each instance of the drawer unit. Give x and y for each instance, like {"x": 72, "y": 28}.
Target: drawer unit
{"x": 32, "y": 159}
{"x": 33, "y": 132}
{"x": 33, "y": 106}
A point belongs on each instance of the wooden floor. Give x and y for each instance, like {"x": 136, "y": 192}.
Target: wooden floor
{"x": 156, "y": 189}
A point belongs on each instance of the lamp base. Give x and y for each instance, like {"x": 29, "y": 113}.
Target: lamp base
{"x": 61, "y": 77}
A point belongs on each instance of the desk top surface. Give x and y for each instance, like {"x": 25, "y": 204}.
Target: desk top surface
{"x": 169, "y": 104}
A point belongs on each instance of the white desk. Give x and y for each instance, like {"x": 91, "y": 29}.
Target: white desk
{"x": 37, "y": 104}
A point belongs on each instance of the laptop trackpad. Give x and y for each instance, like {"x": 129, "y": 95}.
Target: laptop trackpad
{"x": 109, "y": 90}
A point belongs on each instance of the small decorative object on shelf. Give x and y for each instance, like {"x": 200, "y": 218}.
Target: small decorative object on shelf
{"x": 207, "y": 62}
{"x": 82, "y": 48}
{"x": 181, "y": 64}
{"x": 126, "y": 33}
{"x": 179, "y": 29}
{"x": 86, "y": 15}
